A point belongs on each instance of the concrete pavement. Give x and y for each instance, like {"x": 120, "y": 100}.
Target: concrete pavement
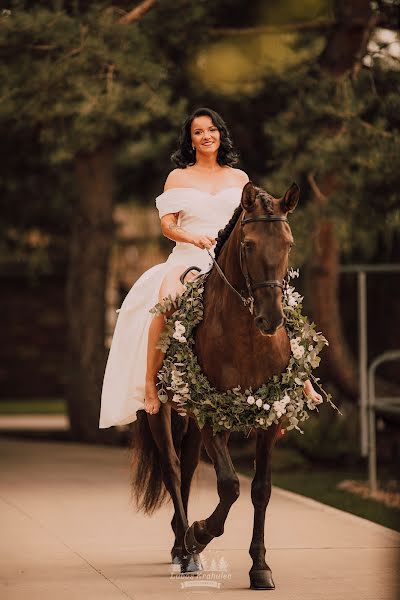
{"x": 68, "y": 531}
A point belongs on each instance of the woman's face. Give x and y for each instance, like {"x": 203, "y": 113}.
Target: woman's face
{"x": 206, "y": 137}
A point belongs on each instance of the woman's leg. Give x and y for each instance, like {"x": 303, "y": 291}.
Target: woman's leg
{"x": 170, "y": 285}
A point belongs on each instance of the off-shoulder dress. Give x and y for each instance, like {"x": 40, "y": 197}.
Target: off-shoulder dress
{"x": 124, "y": 378}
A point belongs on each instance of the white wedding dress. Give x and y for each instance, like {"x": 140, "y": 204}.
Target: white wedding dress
{"x": 124, "y": 378}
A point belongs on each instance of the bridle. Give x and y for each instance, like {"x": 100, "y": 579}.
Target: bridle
{"x": 251, "y": 286}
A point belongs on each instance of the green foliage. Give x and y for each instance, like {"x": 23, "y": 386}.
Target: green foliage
{"x": 236, "y": 409}
{"x": 72, "y": 77}
{"x": 330, "y": 438}
{"x": 348, "y": 130}
{"x": 80, "y": 79}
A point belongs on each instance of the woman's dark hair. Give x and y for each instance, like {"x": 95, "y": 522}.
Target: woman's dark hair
{"x": 186, "y": 156}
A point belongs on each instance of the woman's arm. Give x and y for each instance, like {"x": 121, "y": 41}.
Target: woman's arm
{"x": 171, "y": 229}
{"x": 169, "y": 222}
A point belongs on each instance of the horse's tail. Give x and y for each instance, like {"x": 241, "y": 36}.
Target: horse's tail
{"x": 147, "y": 487}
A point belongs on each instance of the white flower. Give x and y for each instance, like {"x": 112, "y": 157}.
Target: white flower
{"x": 176, "y": 376}
{"x": 261, "y": 421}
{"x": 251, "y": 400}
{"x": 298, "y": 351}
{"x": 295, "y": 343}
{"x": 179, "y": 331}
{"x": 293, "y": 297}
{"x": 259, "y": 402}
{"x": 310, "y": 403}
{"x": 176, "y": 398}
{"x": 266, "y": 406}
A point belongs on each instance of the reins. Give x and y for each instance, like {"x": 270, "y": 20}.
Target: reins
{"x": 249, "y": 301}
{"x": 251, "y": 286}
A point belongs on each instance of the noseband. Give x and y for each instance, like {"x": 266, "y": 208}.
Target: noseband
{"x": 249, "y": 301}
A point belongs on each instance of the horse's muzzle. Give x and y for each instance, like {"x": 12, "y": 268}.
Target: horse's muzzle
{"x": 267, "y": 328}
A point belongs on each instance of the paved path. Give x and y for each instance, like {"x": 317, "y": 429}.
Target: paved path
{"x": 68, "y": 531}
{"x": 34, "y": 423}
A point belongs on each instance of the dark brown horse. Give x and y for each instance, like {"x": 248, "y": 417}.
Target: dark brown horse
{"x": 234, "y": 346}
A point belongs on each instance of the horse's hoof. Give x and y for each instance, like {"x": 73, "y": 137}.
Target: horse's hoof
{"x": 261, "y": 580}
{"x": 192, "y": 545}
{"x": 176, "y": 557}
{"x": 191, "y": 563}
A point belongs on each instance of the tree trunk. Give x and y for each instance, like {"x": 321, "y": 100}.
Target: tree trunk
{"x": 91, "y": 240}
{"x": 342, "y": 54}
{"x": 321, "y": 284}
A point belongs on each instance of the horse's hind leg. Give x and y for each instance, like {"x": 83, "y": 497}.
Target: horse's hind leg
{"x": 160, "y": 425}
{"x": 178, "y": 428}
{"x": 260, "y": 573}
{"x": 189, "y": 454}
{"x": 201, "y": 533}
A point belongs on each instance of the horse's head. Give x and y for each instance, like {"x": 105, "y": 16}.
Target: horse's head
{"x": 266, "y": 240}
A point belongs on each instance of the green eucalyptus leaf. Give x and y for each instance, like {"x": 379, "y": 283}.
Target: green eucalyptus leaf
{"x": 181, "y": 372}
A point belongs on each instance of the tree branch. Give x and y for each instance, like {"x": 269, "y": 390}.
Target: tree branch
{"x": 370, "y": 127}
{"x": 138, "y": 12}
{"x": 368, "y": 31}
{"x": 320, "y": 196}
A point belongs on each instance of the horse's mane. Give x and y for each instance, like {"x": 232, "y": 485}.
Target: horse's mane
{"x": 223, "y": 234}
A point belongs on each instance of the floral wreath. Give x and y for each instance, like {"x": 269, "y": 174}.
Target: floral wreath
{"x": 237, "y": 409}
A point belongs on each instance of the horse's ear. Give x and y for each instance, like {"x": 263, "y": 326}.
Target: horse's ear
{"x": 290, "y": 199}
{"x": 249, "y": 195}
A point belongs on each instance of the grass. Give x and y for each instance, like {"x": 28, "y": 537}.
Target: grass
{"x": 321, "y": 485}
{"x": 34, "y": 406}
{"x": 292, "y": 472}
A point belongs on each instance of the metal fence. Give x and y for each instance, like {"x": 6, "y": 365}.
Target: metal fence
{"x": 368, "y": 402}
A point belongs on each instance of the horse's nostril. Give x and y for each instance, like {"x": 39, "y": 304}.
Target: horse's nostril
{"x": 261, "y": 323}
{"x": 266, "y": 327}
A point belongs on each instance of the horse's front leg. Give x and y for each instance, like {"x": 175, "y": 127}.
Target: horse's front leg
{"x": 260, "y": 573}
{"x": 200, "y": 533}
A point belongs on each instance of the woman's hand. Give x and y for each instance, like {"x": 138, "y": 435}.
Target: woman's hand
{"x": 203, "y": 241}
{"x": 309, "y": 391}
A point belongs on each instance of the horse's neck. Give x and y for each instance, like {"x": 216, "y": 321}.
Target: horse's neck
{"x": 229, "y": 348}
{"x": 222, "y": 306}
{"x": 222, "y": 299}
{"x": 229, "y": 261}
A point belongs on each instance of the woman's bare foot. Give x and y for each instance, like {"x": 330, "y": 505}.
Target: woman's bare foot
{"x": 309, "y": 391}
{"x": 152, "y": 402}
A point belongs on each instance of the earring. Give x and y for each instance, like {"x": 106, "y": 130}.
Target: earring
{"x": 193, "y": 148}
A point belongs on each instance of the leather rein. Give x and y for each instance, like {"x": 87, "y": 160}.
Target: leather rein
{"x": 249, "y": 301}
